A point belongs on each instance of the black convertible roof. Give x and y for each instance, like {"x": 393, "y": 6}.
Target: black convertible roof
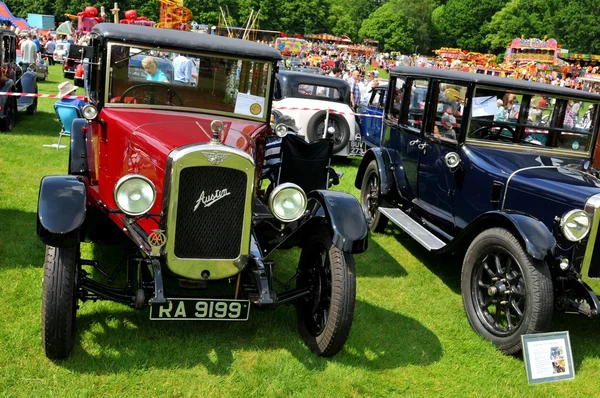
{"x": 178, "y": 39}
{"x": 296, "y": 78}
{"x": 469, "y": 77}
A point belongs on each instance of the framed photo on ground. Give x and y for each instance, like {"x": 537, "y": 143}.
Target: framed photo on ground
{"x": 548, "y": 357}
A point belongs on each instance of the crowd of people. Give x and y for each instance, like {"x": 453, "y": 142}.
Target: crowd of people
{"x": 334, "y": 60}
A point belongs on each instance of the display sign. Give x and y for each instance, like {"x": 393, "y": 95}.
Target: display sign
{"x": 548, "y": 357}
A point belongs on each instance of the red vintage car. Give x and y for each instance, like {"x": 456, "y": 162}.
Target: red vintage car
{"x": 176, "y": 164}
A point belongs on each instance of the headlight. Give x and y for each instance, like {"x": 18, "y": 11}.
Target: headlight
{"x": 281, "y": 130}
{"x": 134, "y": 194}
{"x": 575, "y": 225}
{"x": 89, "y": 111}
{"x": 287, "y": 202}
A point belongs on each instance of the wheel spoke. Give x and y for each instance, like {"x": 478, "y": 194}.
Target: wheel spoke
{"x": 483, "y": 285}
{"x": 498, "y": 265}
{"x": 507, "y": 269}
{"x": 508, "y": 320}
{"x": 489, "y": 271}
{"x": 515, "y": 307}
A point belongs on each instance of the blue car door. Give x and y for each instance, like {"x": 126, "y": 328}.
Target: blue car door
{"x": 403, "y": 129}
{"x": 372, "y": 119}
{"x": 440, "y": 155}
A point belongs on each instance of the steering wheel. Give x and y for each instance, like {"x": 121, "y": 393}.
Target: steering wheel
{"x": 151, "y": 94}
{"x": 494, "y": 135}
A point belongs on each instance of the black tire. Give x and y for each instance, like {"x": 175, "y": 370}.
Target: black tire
{"x": 370, "y": 192}
{"x": 59, "y": 301}
{"x": 341, "y": 135}
{"x": 8, "y": 121}
{"x": 325, "y": 317}
{"x": 512, "y": 298}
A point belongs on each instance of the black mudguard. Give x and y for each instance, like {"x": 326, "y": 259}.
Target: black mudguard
{"x": 383, "y": 163}
{"x": 8, "y": 85}
{"x": 340, "y": 211}
{"x": 347, "y": 223}
{"x": 61, "y": 210}
{"x": 533, "y": 234}
{"x": 78, "y": 164}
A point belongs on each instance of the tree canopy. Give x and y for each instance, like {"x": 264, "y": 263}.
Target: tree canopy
{"x": 402, "y": 25}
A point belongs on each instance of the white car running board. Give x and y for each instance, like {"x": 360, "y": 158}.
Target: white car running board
{"x": 413, "y": 228}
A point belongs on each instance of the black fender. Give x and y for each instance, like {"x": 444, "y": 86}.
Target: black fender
{"x": 383, "y": 163}
{"x": 78, "y": 164}
{"x": 536, "y": 238}
{"x": 61, "y": 210}
{"x": 9, "y": 85}
{"x": 346, "y": 220}
{"x": 339, "y": 210}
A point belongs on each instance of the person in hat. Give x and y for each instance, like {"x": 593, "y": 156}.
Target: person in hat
{"x": 586, "y": 121}
{"x": 65, "y": 89}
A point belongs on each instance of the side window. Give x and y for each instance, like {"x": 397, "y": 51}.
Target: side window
{"x": 449, "y": 104}
{"x": 416, "y": 105}
{"x": 376, "y": 99}
{"x": 6, "y": 49}
{"x": 396, "y": 88}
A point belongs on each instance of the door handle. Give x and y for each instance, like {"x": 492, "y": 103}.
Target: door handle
{"x": 422, "y": 146}
{"x": 414, "y": 142}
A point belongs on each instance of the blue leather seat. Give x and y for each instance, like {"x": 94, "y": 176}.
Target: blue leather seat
{"x": 66, "y": 114}
{"x": 28, "y": 84}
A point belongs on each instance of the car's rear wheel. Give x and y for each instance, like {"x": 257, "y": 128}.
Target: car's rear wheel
{"x": 325, "y": 317}
{"x": 506, "y": 293}
{"x": 8, "y": 121}
{"x": 59, "y": 301}
{"x": 369, "y": 198}
{"x": 337, "y": 129}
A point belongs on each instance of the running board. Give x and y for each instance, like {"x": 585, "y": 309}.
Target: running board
{"x": 413, "y": 228}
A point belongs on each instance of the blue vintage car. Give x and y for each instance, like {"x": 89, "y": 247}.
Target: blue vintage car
{"x": 498, "y": 172}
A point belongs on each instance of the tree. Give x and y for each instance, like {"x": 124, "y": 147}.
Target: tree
{"x": 462, "y": 22}
{"x": 576, "y": 26}
{"x": 391, "y": 27}
{"x": 527, "y": 18}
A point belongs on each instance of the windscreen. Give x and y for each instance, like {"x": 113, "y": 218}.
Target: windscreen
{"x": 146, "y": 77}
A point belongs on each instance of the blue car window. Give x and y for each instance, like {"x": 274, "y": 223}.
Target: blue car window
{"x": 395, "y": 106}
{"x": 450, "y": 100}
{"x": 416, "y": 108}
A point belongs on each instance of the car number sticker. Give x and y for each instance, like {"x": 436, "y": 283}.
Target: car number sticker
{"x": 201, "y": 310}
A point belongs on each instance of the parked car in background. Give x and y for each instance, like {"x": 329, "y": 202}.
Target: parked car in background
{"x": 14, "y": 79}
{"x": 321, "y": 107}
{"x": 40, "y": 68}
{"x": 60, "y": 52}
{"x": 71, "y": 60}
{"x": 177, "y": 171}
{"x": 515, "y": 198}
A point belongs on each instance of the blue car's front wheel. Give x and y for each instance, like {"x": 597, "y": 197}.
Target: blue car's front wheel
{"x": 506, "y": 293}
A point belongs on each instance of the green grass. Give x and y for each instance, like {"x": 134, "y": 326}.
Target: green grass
{"x": 410, "y": 335}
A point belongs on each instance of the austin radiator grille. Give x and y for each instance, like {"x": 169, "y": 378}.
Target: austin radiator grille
{"x": 210, "y": 213}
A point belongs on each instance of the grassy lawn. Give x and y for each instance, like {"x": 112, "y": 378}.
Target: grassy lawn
{"x": 410, "y": 335}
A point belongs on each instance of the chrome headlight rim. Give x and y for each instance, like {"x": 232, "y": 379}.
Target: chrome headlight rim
{"x": 89, "y": 112}
{"x": 565, "y": 228}
{"x": 281, "y": 130}
{"x": 277, "y": 191}
{"x": 127, "y": 178}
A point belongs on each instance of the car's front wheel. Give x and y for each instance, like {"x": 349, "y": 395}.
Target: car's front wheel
{"x": 369, "y": 198}
{"x": 325, "y": 316}
{"x": 506, "y": 292}
{"x": 59, "y": 301}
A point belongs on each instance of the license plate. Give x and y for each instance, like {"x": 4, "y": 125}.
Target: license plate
{"x": 356, "y": 148}
{"x": 201, "y": 310}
